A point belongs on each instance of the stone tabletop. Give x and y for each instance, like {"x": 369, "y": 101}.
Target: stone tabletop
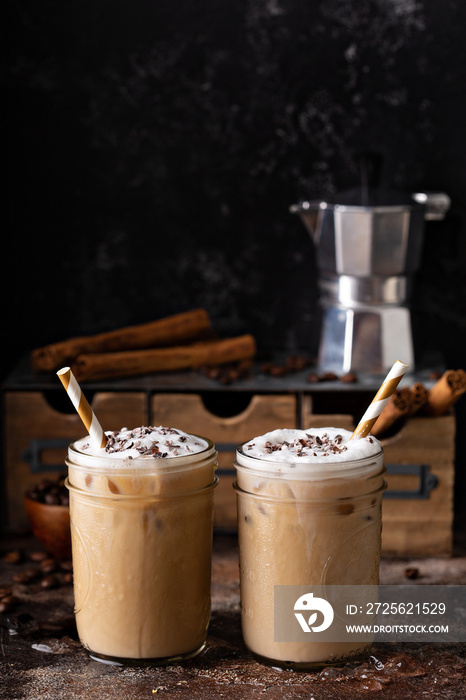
{"x": 45, "y": 659}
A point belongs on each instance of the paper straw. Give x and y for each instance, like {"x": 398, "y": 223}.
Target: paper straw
{"x": 81, "y": 404}
{"x": 380, "y": 400}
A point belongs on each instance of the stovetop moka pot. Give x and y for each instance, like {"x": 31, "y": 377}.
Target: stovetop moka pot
{"x": 368, "y": 247}
{"x": 381, "y": 237}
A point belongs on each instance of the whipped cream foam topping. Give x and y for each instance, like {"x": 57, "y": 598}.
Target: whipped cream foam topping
{"x": 146, "y": 442}
{"x": 312, "y": 445}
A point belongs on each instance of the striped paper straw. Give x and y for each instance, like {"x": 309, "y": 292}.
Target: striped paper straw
{"x": 380, "y": 400}
{"x": 81, "y": 404}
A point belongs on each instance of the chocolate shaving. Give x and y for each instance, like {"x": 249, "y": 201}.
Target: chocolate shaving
{"x": 134, "y": 440}
{"x": 323, "y": 446}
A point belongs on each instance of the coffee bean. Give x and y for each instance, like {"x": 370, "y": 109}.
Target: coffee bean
{"x": 9, "y": 600}
{"x": 48, "y": 566}
{"x": 50, "y": 492}
{"x": 296, "y": 363}
{"x": 51, "y": 581}
{"x": 66, "y": 565}
{"x": 16, "y": 556}
{"x": 52, "y": 499}
{"x": 412, "y": 573}
{"x": 38, "y": 556}
{"x": 4, "y": 591}
{"x": 278, "y": 371}
{"x": 349, "y": 378}
{"x": 26, "y": 576}
{"x": 44, "y": 484}
{"x": 212, "y": 372}
{"x": 22, "y": 577}
{"x": 329, "y": 377}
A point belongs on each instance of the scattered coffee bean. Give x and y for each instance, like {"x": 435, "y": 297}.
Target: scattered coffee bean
{"x": 26, "y": 576}
{"x": 66, "y": 565}
{"x": 296, "y": 363}
{"x": 328, "y": 377}
{"x": 4, "y": 591}
{"x": 278, "y": 371}
{"x": 38, "y": 556}
{"x": 292, "y": 363}
{"x": 48, "y": 566}
{"x": 412, "y": 573}
{"x": 9, "y": 600}
{"x": 16, "y": 556}
{"x": 349, "y": 378}
{"x": 212, "y": 372}
{"x": 51, "y": 581}
{"x": 229, "y": 373}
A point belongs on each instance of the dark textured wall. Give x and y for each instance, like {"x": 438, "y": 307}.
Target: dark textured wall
{"x": 152, "y": 150}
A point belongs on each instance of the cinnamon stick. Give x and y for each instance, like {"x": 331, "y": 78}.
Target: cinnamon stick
{"x": 172, "y": 330}
{"x": 398, "y": 406}
{"x": 445, "y": 392}
{"x": 418, "y": 398}
{"x": 135, "y": 362}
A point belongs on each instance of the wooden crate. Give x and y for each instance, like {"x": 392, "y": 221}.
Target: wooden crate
{"x": 420, "y": 521}
{"x": 188, "y": 412}
{"x": 421, "y": 526}
{"x": 37, "y": 435}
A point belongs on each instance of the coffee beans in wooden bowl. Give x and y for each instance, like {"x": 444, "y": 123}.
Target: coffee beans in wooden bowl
{"x": 47, "y": 507}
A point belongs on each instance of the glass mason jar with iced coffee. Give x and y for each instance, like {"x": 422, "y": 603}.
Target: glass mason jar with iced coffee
{"x": 309, "y": 514}
{"x": 141, "y": 523}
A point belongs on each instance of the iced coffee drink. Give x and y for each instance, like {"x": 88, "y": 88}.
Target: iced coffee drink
{"x": 309, "y": 513}
{"x": 141, "y": 524}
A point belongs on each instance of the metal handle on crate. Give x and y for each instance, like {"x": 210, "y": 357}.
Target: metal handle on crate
{"x": 427, "y": 481}
{"x": 32, "y": 454}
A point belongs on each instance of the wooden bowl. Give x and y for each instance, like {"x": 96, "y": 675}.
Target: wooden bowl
{"x": 51, "y": 526}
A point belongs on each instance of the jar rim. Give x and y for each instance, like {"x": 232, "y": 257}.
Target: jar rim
{"x": 310, "y": 470}
{"x": 140, "y": 465}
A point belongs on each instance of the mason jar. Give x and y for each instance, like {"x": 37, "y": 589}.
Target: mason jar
{"x": 305, "y": 524}
{"x": 141, "y": 534}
